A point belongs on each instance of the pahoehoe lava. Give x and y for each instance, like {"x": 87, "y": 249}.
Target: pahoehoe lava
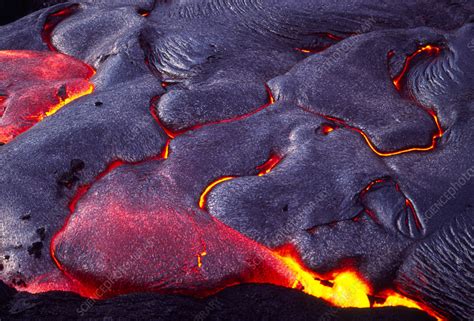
{"x": 191, "y": 147}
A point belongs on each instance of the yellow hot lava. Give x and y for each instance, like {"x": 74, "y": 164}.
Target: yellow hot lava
{"x": 345, "y": 288}
{"x": 64, "y": 102}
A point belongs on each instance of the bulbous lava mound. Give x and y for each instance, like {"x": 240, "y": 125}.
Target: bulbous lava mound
{"x": 299, "y": 143}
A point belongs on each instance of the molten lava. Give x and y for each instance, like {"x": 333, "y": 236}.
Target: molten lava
{"x": 428, "y": 49}
{"x": 209, "y": 188}
{"x": 35, "y": 85}
{"x": 435, "y": 137}
{"x": 269, "y": 165}
{"x": 52, "y": 21}
{"x": 331, "y": 38}
{"x": 342, "y": 288}
{"x": 57, "y": 79}
{"x": 326, "y": 129}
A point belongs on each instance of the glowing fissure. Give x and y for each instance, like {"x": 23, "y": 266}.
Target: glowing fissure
{"x": 269, "y": 165}
{"x": 408, "y": 204}
{"x": 173, "y": 134}
{"x": 210, "y": 187}
{"x": 435, "y": 137}
{"x": 52, "y": 21}
{"x": 326, "y": 35}
{"x": 428, "y": 49}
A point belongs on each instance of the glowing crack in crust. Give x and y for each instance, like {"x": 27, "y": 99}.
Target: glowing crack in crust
{"x": 435, "y": 137}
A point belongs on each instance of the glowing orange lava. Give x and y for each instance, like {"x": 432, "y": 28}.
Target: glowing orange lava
{"x": 346, "y": 289}
{"x": 428, "y": 49}
{"x": 203, "y": 198}
{"x": 200, "y": 256}
{"x": 394, "y": 299}
{"x": 166, "y": 151}
{"x": 63, "y": 102}
{"x": 143, "y": 12}
{"x": 343, "y": 288}
{"x": 326, "y": 129}
{"x": 439, "y": 133}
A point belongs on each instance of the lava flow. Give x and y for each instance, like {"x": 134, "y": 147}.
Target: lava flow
{"x": 342, "y": 288}
{"x": 35, "y": 85}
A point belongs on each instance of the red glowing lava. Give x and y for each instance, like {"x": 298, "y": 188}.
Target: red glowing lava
{"x": 52, "y": 21}
{"x": 35, "y": 85}
{"x": 326, "y": 129}
{"x": 143, "y": 12}
{"x": 269, "y": 165}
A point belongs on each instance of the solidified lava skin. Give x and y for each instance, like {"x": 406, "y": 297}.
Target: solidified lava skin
{"x": 35, "y": 85}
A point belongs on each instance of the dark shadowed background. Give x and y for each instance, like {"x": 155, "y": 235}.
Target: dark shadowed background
{"x": 11, "y": 10}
